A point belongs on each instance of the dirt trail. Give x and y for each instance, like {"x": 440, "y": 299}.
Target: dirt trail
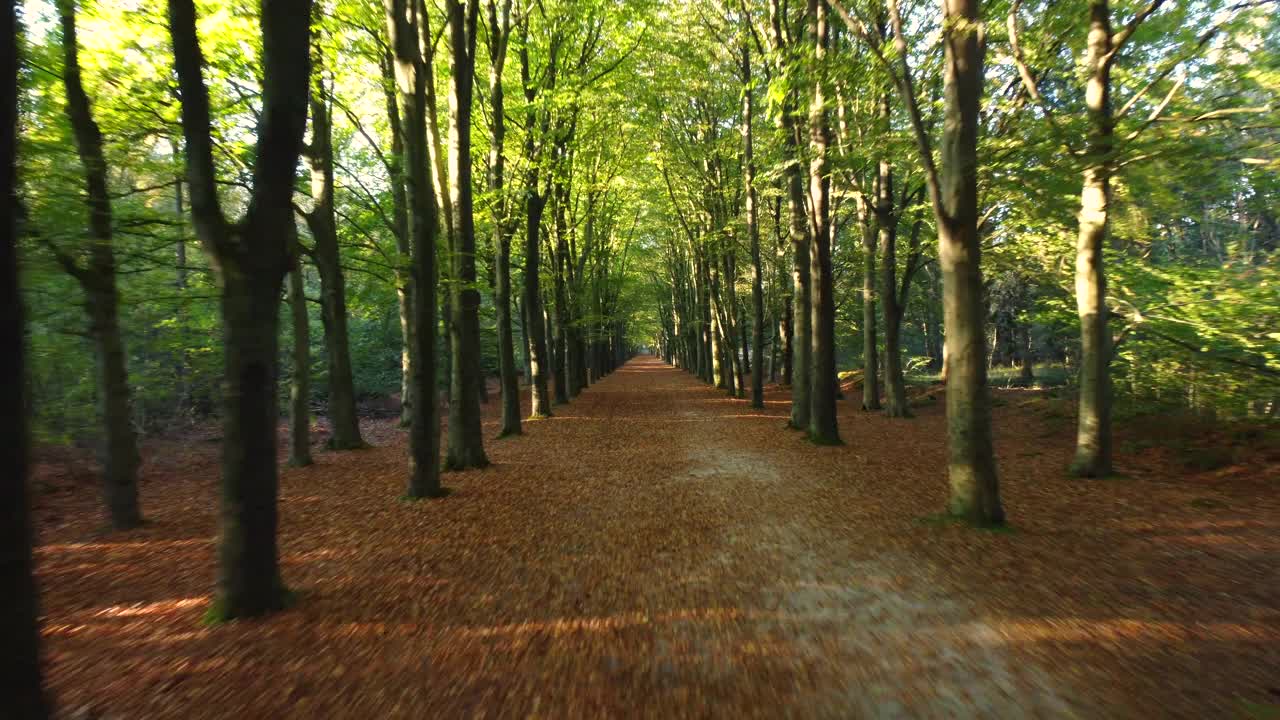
{"x": 658, "y": 550}
{"x": 875, "y": 637}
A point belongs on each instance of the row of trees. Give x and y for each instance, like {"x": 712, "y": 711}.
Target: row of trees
{"x": 188, "y": 119}
{"x": 893, "y": 123}
{"x": 208, "y": 137}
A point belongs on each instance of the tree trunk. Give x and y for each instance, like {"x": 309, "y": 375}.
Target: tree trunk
{"x": 1093, "y": 431}
{"x": 404, "y": 251}
{"x": 344, "y": 421}
{"x": 300, "y": 388}
{"x": 538, "y": 360}
{"x": 870, "y": 345}
{"x": 801, "y": 339}
{"x": 975, "y": 494}
{"x": 887, "y": 222}
{"x": 403, "y": 26}
{"x": 466, "y": 440}
{"x": 249, "y": 580}
{"x": 19, "y": 629}
{"x": 252, "y": 257}
{"x": 499, "y": 32}
{"x": 120, "y": 458}
{"x": 823, "y": 428}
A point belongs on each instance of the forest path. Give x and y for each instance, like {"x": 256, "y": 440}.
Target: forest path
{"x": 838, "y": 630}
{"x": 657, "y": 549}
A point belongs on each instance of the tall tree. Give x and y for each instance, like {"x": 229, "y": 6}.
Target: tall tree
{"x": 406, "y": 21}
{"x": 466, "y": 442}
{"x": 753, "y": 228}
{"x": 97, "y": 278}
{"x": 536, "y": 127}
{"x": 251, "y": 257}
{"x": 823, "y": 383}
{"x": 788, "y": 126}
{"x": 498, "y": 13}
{"x": 322, "y": 222}
{"x": 953, "y": 193}
{"x": 19, "y": 633}
{"x": 1093, "y": 427}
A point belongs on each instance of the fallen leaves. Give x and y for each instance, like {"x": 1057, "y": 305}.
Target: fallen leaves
{"x": 657, "y": 549}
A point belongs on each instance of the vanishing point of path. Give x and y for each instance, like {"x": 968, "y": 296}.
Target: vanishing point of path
{"x": 655, "y": 550}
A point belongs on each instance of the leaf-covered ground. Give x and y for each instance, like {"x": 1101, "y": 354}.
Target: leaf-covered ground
{"x": 659, "y": 550}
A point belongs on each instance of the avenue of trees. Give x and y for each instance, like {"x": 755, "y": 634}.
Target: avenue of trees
{"x": 241, "y": 211}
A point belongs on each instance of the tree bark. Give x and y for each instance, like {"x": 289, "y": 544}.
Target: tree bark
{"x": 405, "y": 23}
{"x": 404, "y": 250}
{"x": 823, "y": 428}
{"x": 499, "y": 33}
{"x": 870, "y": 344}
{"x": 252, "y": 257}
{"x": 975, "y": 494}
{"x": 344, "y": 421}
{"x": 300, "y": 387}
{"x": 466, "y": 441}
{"x": 120, "y": 458}
{"x": 19, "y": 630}
{"x": 1093, "y": 430}
{"x": 535, "y": 204}
{"x": 887, "y": 223}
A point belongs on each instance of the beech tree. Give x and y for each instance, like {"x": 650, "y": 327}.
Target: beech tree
{"x": 406, "y": 27}
{"x": 251, "y": 256}
{"x": 97, "y": 278}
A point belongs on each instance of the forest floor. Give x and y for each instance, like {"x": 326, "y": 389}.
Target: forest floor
{"x": 659, "y": 550}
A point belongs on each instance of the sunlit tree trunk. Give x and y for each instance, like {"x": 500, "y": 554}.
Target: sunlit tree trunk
{"x": 1093, "y": 431}
{"x": 975, "y": 494}
{"x": 404, "y": 250}
{"x": 403, "y": 29}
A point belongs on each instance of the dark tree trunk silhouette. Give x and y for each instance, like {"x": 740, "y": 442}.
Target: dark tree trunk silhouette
{"x": 19, "y": 633}
{"x": 251, "y": 257}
